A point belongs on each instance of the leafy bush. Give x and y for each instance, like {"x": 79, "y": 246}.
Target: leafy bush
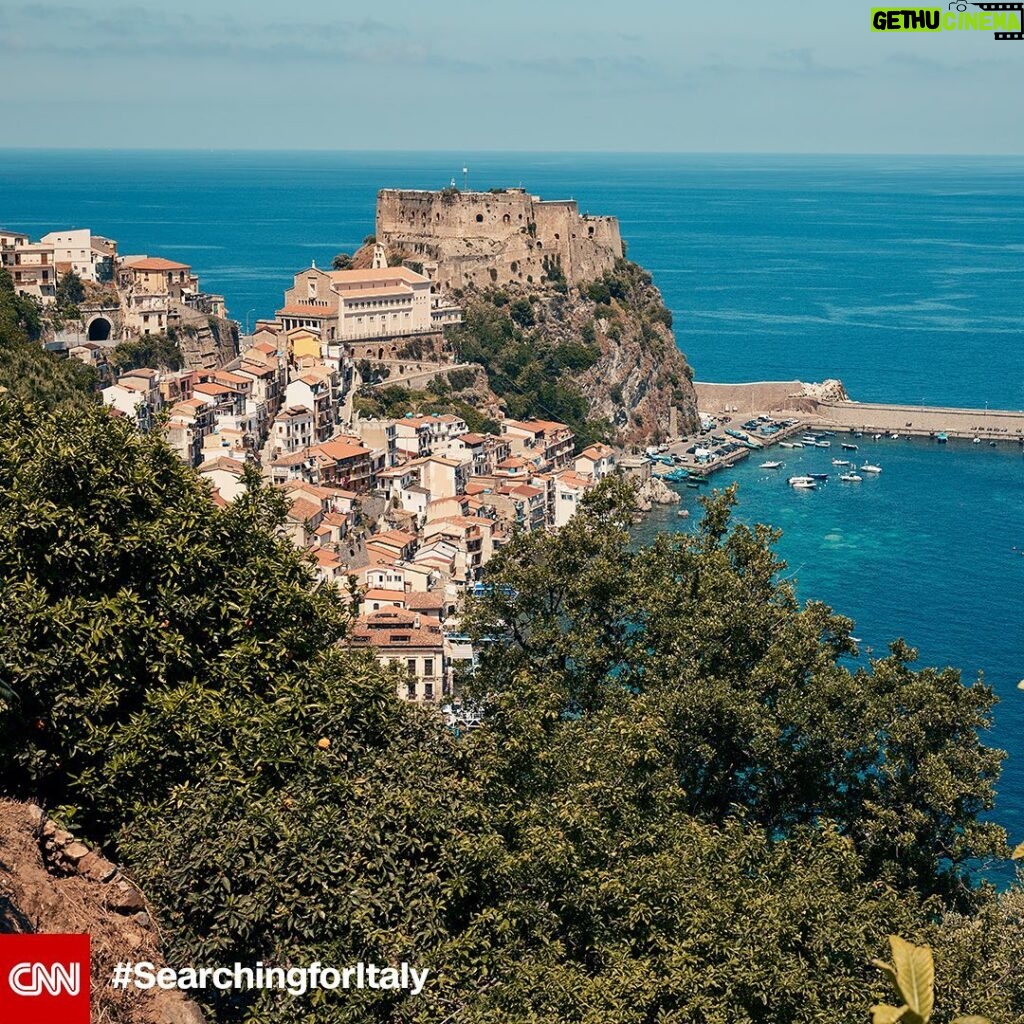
{"x": 521, "y": 312}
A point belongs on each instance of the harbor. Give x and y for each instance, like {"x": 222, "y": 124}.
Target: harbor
{"x": 739, "y": 420}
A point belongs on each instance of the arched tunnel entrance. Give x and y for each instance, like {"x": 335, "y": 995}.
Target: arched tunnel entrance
{"x": 99, "y": 329}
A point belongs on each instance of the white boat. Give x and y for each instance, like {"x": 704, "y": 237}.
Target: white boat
{"x": 895, "y": 437}
{"x": 787, "y": 444}
{"x": 868, "y": 468}
{"x": 683, "y": 513}
{"x": 876, "y": 436}
{"x": 850, "y": 478}
{"x": 770, "y": 465}
{"x": 822, "y": 444}
{"x": 802, "y": 483}
{"x": 840, "y": 462}
{"x": 977, "y": 440}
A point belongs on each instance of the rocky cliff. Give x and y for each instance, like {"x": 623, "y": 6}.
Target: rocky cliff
{"x": 51, "y": 883}
{"x": 603, "y": 352}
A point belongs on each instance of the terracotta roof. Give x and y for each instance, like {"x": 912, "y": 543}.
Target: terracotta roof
{"x": 419, "y": 601}
{"x": 384, "y": 291}
{"x": 385, "y": 595}
{"x": 339, "y": 450}
{"x": 157, "y": 263}
{"x": 595, "y": 451}
{"x": 382, "y": 274}
{"x": 222, "y": 462}
{"x": 257, "y": 369}
{"x": 410, "y": 638}
{"x": 536, "y": 426}
{"x": 395, "y": 537}
{"x": 302, "y": 509}
{"x": 325, "y": 558}
{"x": 308, "y": 310}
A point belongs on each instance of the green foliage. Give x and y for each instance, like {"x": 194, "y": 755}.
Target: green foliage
{"x": 343, "y": 261}
{"x": 628, "y": 838}
{"x": 532, "y": 375}
{"x": 396, "y": 401}
{"x": 460, "y": 380}
{"x": 70, "y": 291}
{"x": 157, "y": 351}
{"x": 26, "y": 370}
{"x": 521, "y": 312}
{"x": 749, "y": 690}
{"x": 912, "y": 973}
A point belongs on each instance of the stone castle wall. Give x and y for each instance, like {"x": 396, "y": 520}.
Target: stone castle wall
{"x": 496, "y": 238}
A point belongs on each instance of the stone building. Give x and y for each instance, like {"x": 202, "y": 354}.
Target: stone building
{"x": 500, "y": 237}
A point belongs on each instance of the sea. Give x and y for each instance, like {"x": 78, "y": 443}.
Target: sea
{"x": 901, "y": 276}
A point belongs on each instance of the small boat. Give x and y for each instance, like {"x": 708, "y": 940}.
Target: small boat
{"x": 868, "y": 468}
{"x": 977, "y": 440}
{"x": 876, "y": 436}
{"x": 802, "y": 483}
{"x": 942, "y": 438}
{"x": 991, "y": 444}
{"x": 848, "y": 447}
{"x": 683, "y": 513}
{"x": 840, "y": 462}
{"x": 692, "y": 484}
{"x": 818, "y": 476}
{"x": 770, "y": 465}
{"x": 895, "y": 437}
{"x": 822, "y": 444}
{"x": 789, "y": 444}
{"x": 850, "y": 478}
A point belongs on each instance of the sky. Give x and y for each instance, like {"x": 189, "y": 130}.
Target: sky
{"x": 793, "y": 76}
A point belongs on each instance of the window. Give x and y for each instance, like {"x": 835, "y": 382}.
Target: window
{"x": 410, "y": 664}
{"x": 428, "y": 666}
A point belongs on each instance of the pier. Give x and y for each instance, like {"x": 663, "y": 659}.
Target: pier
{"x": 818, "y": 405}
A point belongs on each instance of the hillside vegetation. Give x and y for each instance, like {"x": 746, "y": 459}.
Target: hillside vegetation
{"x": 683, "y": 804}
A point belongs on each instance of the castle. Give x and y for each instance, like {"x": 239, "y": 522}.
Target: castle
{"x": 501, "y": 237}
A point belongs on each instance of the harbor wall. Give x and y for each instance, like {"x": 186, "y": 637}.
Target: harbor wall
{"x": 818, "y": 406}
{"x": 921, "y": 420}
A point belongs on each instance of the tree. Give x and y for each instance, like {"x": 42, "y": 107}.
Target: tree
{"x": 70, "y": 291}
{"x": 26, "y": 370}
{"x": 569, "y": 861}
{"x": 343, "y": 261}
{"x": 748, "y": 689}
{"x": 521, "y": 311}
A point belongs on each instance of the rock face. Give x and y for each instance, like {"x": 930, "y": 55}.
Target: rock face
{"x": 490, "y": 250}
{"x": 503, "y": 237}
{"x": 51, "y": 883}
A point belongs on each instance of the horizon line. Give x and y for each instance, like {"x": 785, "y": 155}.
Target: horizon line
{"x": 505, "y": 152}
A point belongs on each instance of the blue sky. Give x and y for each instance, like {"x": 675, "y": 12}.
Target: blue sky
{"x": 646, "y": 75}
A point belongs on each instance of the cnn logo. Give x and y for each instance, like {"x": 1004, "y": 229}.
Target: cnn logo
{"x": 44, "y": 979}
{"x": 34, "y": 979}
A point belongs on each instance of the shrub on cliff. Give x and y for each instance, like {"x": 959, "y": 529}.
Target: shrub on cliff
{"x": 26, "y": 370}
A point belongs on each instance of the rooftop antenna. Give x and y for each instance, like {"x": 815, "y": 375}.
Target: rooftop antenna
{"x": 465, "y": 179}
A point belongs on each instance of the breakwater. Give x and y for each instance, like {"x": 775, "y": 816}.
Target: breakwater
{"x": 819, "y": 406}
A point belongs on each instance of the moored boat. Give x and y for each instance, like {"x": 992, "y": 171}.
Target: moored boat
{"x": 869, "y": 468}
{"x": 851, "y": 478}
{"x": 848, "y": 447}
{"x": 770, "y": 465}
{"x": 802, "y": 483}
{"x": 818, "y": 476}
{"x": 840, "y": 462}
{"x": 942, "y": 437}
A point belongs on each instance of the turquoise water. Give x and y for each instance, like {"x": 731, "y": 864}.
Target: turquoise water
{"x": 931, "y": 549}
{"x": 903, "y": 276}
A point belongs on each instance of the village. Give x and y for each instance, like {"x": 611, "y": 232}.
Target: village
{"x": 400, "y": 514}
